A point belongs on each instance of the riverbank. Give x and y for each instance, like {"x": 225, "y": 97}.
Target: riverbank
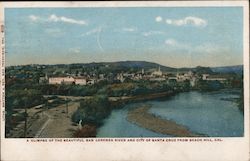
{"x": 141, "y": 117}
{"x": 120, "y": 101}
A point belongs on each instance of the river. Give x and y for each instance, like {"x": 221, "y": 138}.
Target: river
{"x": 211, "y": 113}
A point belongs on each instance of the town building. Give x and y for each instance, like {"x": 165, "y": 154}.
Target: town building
{"x": 184, "y": 76}
{"x": 43, "y": 80}
{"x": 208, "y": 77}
{"x": 80, "y": 81}
{"x": 205, "y": 76}
{"x": 120, "y": 77}
{"x": 192, "y": 81}
{"x": 91, "y": 81}
{"x": 157, "y": 72}
{"x": 68, "y": 80}
{"x": 61, "y": 80}
{"x": 158, "y": 79}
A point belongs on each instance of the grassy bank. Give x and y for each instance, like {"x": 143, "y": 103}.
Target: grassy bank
{"x": 139, "y": 98}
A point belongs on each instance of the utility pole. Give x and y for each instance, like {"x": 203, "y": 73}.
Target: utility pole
{"x": 46, "y": 106}
{"x": 66, "y": 100}
{"x": 25, "y": 112}
{"x": 26, "y": 118}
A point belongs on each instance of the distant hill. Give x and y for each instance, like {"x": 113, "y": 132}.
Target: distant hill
{"x": 138, "y": 65}
{"x": 202, "y": 70}
{"x": 238, "y": 69}
{"x": 126, "y": 65}
{"x": 145, "y": 65}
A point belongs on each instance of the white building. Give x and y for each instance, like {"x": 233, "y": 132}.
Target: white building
{"x": 120, "y": 77}
{"x": 60, "y": 80}
{"x": 157, "y": 72}
{"x": 213, "y": 78}
{"x": 43, "y": 79}
{"x": 205, "y": 76}
{"x": 129, "y": 75}
{"x": 216, "y": 79}
{"x": 137, "y": 76}
{"x": 157, "y": 79}
{"x": 184, "y": 76}
{"x": 192, "y": 81}
{"x": 142, "y": 71}
{"x": 67, "y": 80}
{"x": 80, "y": 81}
{"x": 91, "y": 81}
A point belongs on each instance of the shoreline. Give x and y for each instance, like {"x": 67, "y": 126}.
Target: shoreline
{"x": 141, "y": 117}
{"x": 118, "y": 103}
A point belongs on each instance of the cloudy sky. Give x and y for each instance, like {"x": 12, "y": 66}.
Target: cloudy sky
{"x": 176, "y": 37}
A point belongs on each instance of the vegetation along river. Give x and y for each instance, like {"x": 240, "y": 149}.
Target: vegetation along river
{"x": 213, "y": 114}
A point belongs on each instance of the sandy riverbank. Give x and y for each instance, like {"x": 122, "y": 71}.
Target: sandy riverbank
{"x": 141, "y": 117}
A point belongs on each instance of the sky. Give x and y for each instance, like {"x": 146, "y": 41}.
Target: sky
{"x": 171, "y": 36}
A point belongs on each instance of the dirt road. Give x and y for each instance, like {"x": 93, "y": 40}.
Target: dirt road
{"x": 58, "y": 124}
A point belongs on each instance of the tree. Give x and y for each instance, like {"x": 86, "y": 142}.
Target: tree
{"x": 93, "y": 110}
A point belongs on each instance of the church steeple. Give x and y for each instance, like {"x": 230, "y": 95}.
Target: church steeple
{"x": 142, "y": 71}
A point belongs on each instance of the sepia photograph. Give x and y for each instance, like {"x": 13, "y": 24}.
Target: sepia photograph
{"x": 114, "y": 72}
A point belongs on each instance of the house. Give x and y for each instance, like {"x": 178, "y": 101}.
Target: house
{"x": 43, "y": 80}
{"x": 129, "y": 75}
{"x": 91, "y": 81}
{"x": 205, "y": 76}
{"x": 61, "y": 80}
{"x": 208, "y": 77}
{"x": 157, "y": 79}
{"x": 120, "y": 77}
{"x": 184, "y": 76}
{"x": 138, "y": 76}
{"x": 172, "y": 79}
{"x": 192, "y": 81}
{"x": 80, "y": 81}
{"x": 68, "y": 80}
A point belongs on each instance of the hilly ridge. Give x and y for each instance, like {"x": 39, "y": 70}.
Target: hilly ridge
{"x": 147, "y": 66}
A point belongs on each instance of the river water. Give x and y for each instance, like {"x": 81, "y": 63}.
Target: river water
{"x": 211, "y": 113}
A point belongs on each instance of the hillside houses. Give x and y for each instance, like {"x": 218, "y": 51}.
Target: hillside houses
{"x": 149, "y": 75}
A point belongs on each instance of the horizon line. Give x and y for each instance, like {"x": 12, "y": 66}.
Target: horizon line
{"x": 123, "y": 61}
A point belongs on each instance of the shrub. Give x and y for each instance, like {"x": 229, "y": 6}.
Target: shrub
{"x": 93, "y": 110}
{"x": 86, "y": 131}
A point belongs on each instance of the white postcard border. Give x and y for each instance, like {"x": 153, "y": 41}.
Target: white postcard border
{"x": 231, "y": 148}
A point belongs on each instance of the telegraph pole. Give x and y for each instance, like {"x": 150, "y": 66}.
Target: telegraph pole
{"x": 66, "y": 100}
{"x": 26, "y": 118}
{"x": 25, "y": 112}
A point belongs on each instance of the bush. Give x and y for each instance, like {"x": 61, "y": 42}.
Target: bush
{"x": 93, "y": 110}
{"x": 86, "y": 131}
